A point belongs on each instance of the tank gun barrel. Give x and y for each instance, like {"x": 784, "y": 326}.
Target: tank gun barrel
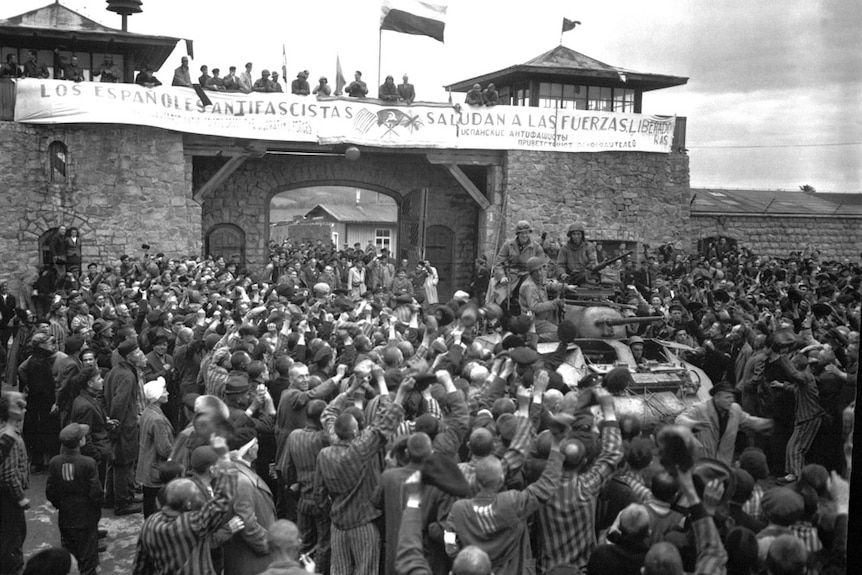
{"x": 602, "y": 265}
{"x": 628, "y": 320}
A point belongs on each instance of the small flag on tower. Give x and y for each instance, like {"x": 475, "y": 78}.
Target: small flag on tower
{"x": 569, "y": 24}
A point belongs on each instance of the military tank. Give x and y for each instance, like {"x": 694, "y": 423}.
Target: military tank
{"x": 663, "y": 383}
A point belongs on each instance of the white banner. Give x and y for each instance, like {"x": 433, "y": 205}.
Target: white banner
{"x": 337, "y": 120}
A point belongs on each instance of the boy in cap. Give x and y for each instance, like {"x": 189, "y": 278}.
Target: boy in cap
{"x": 75, "y": 490}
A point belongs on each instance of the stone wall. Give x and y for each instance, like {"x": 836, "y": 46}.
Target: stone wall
{"x": 630, "y": 196}
{"x": 124, "y": 186}
{"x": 775, "y": 235}
{"x": 244, "y": 198}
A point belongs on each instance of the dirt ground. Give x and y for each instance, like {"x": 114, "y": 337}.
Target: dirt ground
{"x": 42, "y": 531}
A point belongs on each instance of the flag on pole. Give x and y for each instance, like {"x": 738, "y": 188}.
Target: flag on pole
{"x": 190, "y": 49}
{"x": 569, "y": 24}
{"x": 420, "y": 17}
{"x": 340, "y": 82}
{"x": 284, "y": 64}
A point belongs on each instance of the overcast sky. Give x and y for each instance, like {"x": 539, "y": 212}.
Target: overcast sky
{"x": 773, "y": 101}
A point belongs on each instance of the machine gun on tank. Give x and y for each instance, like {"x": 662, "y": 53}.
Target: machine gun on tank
{"x": 602, "y": 265}
{"x": 592, "y": 277}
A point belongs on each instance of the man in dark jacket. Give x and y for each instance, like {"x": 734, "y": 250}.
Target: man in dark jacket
{"x": 88, "y": 410}
{"x": 8, "y": 307}
{"x": 74, "y": 489}
{"x": 123, "y": 401}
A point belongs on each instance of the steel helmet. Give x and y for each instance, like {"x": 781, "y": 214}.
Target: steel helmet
{"x": 535, "y": 263}
{"x": 635, "y": 339}
{"x": 576, "y": 228}
{"x": 523, "y": 226}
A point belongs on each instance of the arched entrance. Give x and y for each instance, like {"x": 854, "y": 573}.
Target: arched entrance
{"x": 440, "y": 251}
{"x": 228, "y": 241}
{"x": 425, "y": 195}
{"x": 338, "y": 215}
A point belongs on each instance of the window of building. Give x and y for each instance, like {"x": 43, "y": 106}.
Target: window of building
{"x": 579, "y": 97}
{"x": 58, "y": 155}
{"x": 600, "y": 98}
{"x": 383, "y": 238}
{"x": 624, "y": 100}
{"x": 521, "y": 95}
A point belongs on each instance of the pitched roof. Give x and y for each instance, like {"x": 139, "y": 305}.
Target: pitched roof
{"x": 562, "y": 57}
{"x": 774, "y": 202}
{"x": 562, "y": 63}
{"x": 356, "y": 214}
{"x": 49, "y": 26}
{"x": 58, "y": 17}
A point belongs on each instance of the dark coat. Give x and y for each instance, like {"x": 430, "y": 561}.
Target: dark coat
{"x": 74, "y": 489}
{"x": 7, "y": 311}
{"x": 87, "y": 410}
{"x": 122, "y": 395}
{"x": 246, "y": 551}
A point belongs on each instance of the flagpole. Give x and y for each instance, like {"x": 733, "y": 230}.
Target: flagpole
{"x": 379, "y": 53}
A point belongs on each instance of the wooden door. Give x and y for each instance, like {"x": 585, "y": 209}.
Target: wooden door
{"x": 226, "y": 240}
{"x": 411, "y": 223}
{"x": 439, "y": 250}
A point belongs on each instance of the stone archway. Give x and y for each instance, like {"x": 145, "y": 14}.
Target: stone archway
{"x": 244, "y": 197}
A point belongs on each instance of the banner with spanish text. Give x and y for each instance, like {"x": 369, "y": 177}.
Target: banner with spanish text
{"x": 341, "y": 120}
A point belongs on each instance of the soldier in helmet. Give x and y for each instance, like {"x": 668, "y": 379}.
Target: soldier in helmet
{"x": 577, "y": 257}
{"x": 636, "y": 344}
{"x": 511, "y": 262}
{"x": 533, "y": 299}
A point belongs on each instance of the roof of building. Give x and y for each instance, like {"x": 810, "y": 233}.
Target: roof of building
{"x": 356, "y": 214}
{"x": 563, "y": 63}
{"x": 774, "y": 202}
{"x": 52, "y": 25}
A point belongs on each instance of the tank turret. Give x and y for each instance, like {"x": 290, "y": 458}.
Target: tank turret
{"x": 603, "y": 321}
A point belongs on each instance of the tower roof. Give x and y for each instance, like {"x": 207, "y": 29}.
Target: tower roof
{"x": 564, "y": 64}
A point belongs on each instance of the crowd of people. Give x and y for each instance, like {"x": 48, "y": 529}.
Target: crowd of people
{"x": 212, "y": 79}
{"x": 326, "y": 413}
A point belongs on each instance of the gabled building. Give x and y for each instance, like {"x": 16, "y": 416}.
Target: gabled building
{"x": 774, "y": 223}
{"x": 57, "y": 33}
{"x": 352, "y": 224}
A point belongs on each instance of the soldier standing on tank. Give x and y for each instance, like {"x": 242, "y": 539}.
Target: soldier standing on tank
{"x": 577, "y": 257}
{"x": 511, "y": 262}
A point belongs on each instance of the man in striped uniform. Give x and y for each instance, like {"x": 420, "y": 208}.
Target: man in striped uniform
{"x": 301, "y": 451}
{"x": 14, "y": 479}
{"x": 567, "y": 520}
{"x": 808, "y": 414}
{"x": 346, "y": 476}
{"x": 176, "y": 539}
